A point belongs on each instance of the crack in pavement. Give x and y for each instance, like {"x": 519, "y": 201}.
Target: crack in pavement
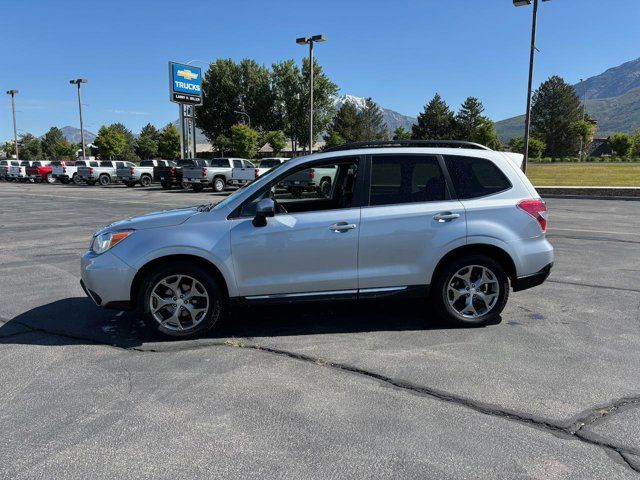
{"x": 571, "y": 430}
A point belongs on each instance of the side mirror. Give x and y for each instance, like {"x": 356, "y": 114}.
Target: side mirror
{"x": 266, "y": 208}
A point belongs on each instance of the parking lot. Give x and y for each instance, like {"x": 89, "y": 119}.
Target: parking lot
{"x": 379, "y": 390}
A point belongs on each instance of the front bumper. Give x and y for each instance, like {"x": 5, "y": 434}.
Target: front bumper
{"x": 107, "y": 280}
{"x": 533, "y": 280}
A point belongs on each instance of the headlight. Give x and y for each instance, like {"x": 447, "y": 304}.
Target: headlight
{"x": 102, "y": 243}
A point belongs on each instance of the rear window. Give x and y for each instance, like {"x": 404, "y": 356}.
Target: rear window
{"x": 148, "y": 163}
{"x": 106, "y": 164}
{"x": 95, "y": 164}
{"x": 15, "y": 163}
{"x": 55, "y": 164}
{"x": 24, "y": 164}
{"x": 35, "y": 164}
{"x": 220, "y": 162}
{"x": 269, "y": 163}
{"x": 81, "y": 163}
{"x": 475, "y": 177}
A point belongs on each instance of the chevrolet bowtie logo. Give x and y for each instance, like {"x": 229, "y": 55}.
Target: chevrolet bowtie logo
{"x": 187, "y": 74}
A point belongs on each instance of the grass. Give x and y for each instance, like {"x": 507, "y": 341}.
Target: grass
{"x": 585, "y": 174}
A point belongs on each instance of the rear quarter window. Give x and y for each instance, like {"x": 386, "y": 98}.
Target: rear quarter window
{"x": 475, "y": 177}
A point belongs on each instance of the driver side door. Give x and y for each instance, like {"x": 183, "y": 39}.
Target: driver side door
{"x": 310, "y": 247}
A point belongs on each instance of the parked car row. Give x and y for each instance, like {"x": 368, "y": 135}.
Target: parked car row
{"x": 197, "y": 174}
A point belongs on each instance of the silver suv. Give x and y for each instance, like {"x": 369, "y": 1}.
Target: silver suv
{"x": 453, "y": 221}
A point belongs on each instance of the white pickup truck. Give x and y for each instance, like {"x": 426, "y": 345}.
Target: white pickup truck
{"x": 66, "y": 172}
{"x": 18, "y": 173}
{"x": 267, "y": 164}
{"x": 218, "y": 173}
{"x": 319, "y": 180}
{"x": 142, "y": 174}
{"x": 103, "y": 172}
{"x": 5, "y": 166}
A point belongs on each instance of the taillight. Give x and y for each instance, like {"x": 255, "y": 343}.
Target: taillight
{"x": 204, "y": 171}
{"x": 537, "y": 209}
{"x": 256, "y": 173}
{"x": 131, "y": 171}
{"x": 90, "y": 171}
{"x": 172, "y": 172}
{"x": 312, "y": 173}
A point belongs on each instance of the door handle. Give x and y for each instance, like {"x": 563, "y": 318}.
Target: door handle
{"x": 445, "y": 216}
{"x": 342, "y": 227}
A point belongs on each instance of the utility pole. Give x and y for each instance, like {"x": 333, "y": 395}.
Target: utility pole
{"x": 310, "y": 41}
{"x": 78, "y": 82}
{"x": 13, "y": 111}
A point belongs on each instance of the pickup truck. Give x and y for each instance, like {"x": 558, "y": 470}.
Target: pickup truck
{"x": 18, "y": 172}
{"x": 142, "y": 174}
{"x": 267, "y": 164}
{"x": 319, "y": 180}
{"x": 103, "y": 172}
{"x": 5, "y": 165}
{"x": 66, "y": 172}
{"x": 217, "y": 173}
{"x": 242, "y": 175}
{"x": 172, "y": 175}
{"x": 40, "y": 171}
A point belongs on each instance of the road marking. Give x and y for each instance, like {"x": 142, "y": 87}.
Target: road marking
{"x": 592, "y": 231}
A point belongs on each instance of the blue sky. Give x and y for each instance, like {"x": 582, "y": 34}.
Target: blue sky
{"x": 400, "y": 53}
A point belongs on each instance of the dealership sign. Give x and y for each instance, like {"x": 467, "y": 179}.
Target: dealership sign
{"x": 185, "y": 84}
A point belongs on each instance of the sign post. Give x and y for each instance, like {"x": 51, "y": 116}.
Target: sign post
{"x": 185, "y": 89}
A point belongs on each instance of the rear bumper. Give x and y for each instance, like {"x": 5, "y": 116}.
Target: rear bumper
{"x": 533, "y": 280}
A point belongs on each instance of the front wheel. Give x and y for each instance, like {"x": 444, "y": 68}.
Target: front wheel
{"x": 181, "y": 300}
{"x": 75, "y": 179}
{"x": 471, "y": 291}
{"x": 104, "y": 180}
{"x": 145, "y": 180}
{"x": 50, "y": 178}
{"x": 218, "y": 184}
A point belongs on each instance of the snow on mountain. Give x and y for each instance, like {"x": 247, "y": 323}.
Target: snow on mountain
{"x": 391, "y": 118}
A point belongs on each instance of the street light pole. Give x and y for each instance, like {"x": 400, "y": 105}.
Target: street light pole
{"x": 310, "y": 41}
{"x": 244, "y": 114}
{"x": 78, "y": 82}
{"x": 583, "y": 116}
{"x": 13, "y": 111}
{"x": 527, "y": 126}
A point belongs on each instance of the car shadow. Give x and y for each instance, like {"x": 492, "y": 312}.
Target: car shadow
{"x": 74, "y": 321}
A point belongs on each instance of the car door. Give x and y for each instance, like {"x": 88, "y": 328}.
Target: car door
{"x": 410, "y": 222}
{"x": 311, "y": 249}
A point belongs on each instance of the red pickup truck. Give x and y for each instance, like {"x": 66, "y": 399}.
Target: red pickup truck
{"x": 40, "y": 171}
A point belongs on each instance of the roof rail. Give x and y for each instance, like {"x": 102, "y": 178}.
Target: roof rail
{"x": 407, "y": 143}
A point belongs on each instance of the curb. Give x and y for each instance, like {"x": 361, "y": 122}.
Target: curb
{"x": 594, "y": 193}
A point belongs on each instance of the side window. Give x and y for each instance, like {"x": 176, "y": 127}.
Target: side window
{"x": 399, "y": 179}
{"x": 237, "y": 164}
{"x": 322, "y": 187}
{"x": 475, "y": 177}
{"x": 248, "y": 164}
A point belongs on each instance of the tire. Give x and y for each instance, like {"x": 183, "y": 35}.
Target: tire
{"x": 104, "y": 180}
{"x": 165, "y": 185}
{"x": 218, "y": 184}
{"x": 50, "y": 178}
{"x": 324, "y": 190}
{"x": 145, "y": 181}
{"x": 487, "y": 299}
{"x": 197, "y": 187}
{"x": 296, "y": 192}
{"x": 75, "y": 179}
{"x": 186, "y": 325}
{"x": 130, "y": 184}
{"x": 184, "y": 185}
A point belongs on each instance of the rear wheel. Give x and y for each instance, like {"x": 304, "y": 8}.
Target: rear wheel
{"x": 50, "y": 178}
{"x": 471, "y": 291}
{"x": 104, "y": 179}
{"x": 218, "y": 184}
{"x": 75, "y": 179}
{"x": 145, "y": 180}
{"x": 184, "y": 185}
{"x": 181, "y": 300}
{"x": 197, "y": 187}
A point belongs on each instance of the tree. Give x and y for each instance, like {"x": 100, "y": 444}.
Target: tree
{"x": 621, "y": 143}
{"x": 469, "y": 119}
{"x": 129, "y": 151}
{"x": 357, "y": 125}
{"x": 288, "y": 94}
{"x": 30, "y": 147}
{"x": 9, "y": 149}
{"x": 244, "y": 140}
{"x": 485, "y": 134}
{"x": 372, "y": 122}
{"x": 585, "y": 131}
{"x": 333, "y": 139}
{"x": 635, "y": 150}
{"x": 54, "y": 144}
{"x": 401, "y": 134}
{"x": 435, "y": 122}
{"x": 536, "y": 146}
{"x": 276, "y": 140}
{"x": 169, "y": 142}
{"x": 110, "y": 142}
{"x": 555, "y": 107}
{"x": 147, "y": 143}
{"x": 223, "y": 143}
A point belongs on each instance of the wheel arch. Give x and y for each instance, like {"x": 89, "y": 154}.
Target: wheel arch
{"x": 498, "y": 254}
{"x": 194, "y": 259}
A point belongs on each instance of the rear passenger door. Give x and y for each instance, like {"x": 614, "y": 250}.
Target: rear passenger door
{"x": 410, "y": 222}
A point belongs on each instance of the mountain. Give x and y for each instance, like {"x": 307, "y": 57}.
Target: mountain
{"x": 613, "y": 99}
{"x": 72, "y": 135}
{"x": 392, "y": 119}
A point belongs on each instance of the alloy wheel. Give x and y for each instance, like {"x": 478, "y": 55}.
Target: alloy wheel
{"x": 179, "y": 302}
{"x": 473, "y": 291}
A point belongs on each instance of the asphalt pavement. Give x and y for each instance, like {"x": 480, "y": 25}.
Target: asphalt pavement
{"x": 376, "y": 390}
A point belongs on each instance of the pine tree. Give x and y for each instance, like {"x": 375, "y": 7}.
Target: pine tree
{"x": 435, "y": 122}
{"x": 469, "y": 118}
